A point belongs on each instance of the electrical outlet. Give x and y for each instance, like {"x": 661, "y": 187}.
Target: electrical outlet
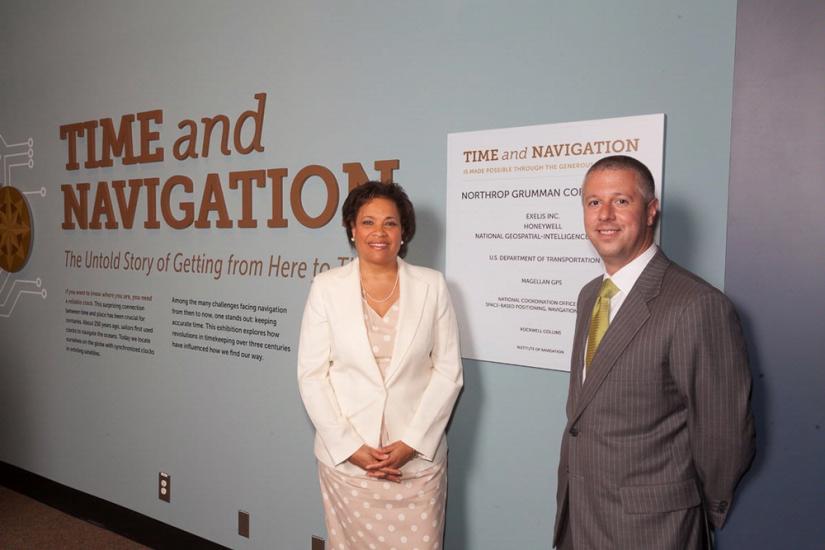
{"x": 317, "y": 543}
{"x": 165, "y": 486}
{"x": 243, "y": 523}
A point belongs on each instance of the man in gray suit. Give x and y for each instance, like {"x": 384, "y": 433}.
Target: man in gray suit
{"x": 659, "y": 428}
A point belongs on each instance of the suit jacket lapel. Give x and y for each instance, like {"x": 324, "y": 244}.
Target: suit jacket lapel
{"x": 580, "y": 343}
{"x": 630, "y": 318}
{"x": 413, "y": 293}
{"x": 352, "y": 310}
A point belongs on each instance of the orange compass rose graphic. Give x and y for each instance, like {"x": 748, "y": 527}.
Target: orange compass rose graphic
{"x": 15, "y": 229}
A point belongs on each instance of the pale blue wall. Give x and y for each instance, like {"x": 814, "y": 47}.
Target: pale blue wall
{"x": 353, "y": 81}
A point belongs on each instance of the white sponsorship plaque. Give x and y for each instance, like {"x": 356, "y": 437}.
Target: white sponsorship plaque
{"x": 517, "y": 254}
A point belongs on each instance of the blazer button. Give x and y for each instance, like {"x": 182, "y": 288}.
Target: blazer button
{"x": 723, "y": 505}
{"x": 574, "y": 431}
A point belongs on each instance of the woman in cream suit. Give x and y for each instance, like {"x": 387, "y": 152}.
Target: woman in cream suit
{"x": 379, "y": 371}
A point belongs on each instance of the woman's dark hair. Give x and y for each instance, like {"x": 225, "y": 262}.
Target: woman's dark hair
{"x": 365, "y": 192}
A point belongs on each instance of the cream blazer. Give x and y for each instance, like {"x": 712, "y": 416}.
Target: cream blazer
{"x": 340, "y": 383}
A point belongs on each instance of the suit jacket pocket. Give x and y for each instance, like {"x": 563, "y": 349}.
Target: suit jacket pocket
{"x": 655, "y": 499}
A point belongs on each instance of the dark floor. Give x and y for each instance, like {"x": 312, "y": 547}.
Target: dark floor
{"x": 26, "y": 524}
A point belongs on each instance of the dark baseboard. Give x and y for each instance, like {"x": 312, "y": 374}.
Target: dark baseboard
{"x": 123, "y": 521}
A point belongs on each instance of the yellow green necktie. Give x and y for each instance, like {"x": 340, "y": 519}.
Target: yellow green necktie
{"x": 599, "y": 319}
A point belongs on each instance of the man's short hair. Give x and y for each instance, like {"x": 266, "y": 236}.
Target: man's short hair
{"x": 644, "y": 178}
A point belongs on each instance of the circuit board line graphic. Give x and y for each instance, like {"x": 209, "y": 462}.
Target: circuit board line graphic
{"x": 14, "y": 156}
{"x": 13, "y": 151}
{"x": 17, "y": 299}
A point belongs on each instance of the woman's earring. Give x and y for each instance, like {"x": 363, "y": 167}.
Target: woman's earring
{"x": 352, "y": 239}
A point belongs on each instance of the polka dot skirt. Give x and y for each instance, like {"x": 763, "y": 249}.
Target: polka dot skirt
{"x": 364, "y": 513}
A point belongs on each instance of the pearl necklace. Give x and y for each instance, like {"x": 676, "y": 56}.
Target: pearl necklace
{"x": 376, "y": 300}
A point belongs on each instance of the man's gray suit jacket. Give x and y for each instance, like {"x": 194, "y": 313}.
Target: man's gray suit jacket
{"x": 661, "y": 431}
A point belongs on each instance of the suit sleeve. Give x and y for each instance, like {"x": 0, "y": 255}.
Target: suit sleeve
{"x": 335, "y": 431}
{"x": 709, "y": 362}
{"x": 430, "y": 419}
